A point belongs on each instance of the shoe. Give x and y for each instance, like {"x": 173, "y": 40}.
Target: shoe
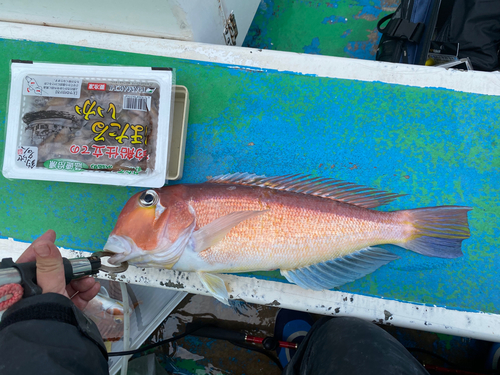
{"x": 291, "y": 326}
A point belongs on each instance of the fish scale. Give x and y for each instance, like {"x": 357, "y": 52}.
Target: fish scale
{"x": 292, "y": 232}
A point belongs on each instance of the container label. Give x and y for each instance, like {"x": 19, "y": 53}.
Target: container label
{"x": 27, "y": 156}
{"x": 66, "y": 165}
{"x": 50, "y": 86}
{"x": 139, "y": 103}
{"x": 96, "y": 86}
{"x": 101, "y": 129}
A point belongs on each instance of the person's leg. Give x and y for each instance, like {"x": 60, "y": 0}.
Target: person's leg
{"x": 346, "y": 346}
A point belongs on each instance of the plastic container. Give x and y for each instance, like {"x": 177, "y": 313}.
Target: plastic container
{"x": 151, "y": 307}
{"x": 179, "y": 131}
{"x": 89, "y": 124}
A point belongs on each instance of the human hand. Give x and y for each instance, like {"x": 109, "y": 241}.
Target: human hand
{"x": 50, "y": 271}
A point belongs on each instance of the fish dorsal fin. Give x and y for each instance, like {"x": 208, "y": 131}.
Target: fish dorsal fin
{"x": 346, "y": 192}
{"x": 215, "y": 231}
{"x": 339, "y": 271}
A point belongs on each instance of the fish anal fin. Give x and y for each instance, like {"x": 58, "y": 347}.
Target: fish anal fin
{"x": 216, "y": 286}
{"x": 215, "y": 231}
{"x": 328, "y": 188}
{"x": 339, "y": 271}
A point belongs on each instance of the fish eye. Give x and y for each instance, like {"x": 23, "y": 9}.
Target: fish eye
{"x": 148, "y": 198}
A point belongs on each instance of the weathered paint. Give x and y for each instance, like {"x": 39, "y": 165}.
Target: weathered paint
{"x": 316, "y": 26}
{"x": 434, "y": 144}
{"x": 264, "y": 60}
{"x": 334, "y": 303}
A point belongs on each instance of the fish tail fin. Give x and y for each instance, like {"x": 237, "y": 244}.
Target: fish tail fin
{"x": 437, "y": 231}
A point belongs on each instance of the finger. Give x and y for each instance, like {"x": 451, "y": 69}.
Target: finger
{"x": 29, "y": 254}
{"x": 90, "y": 293}
{"x": 49, "y": 268}
{"x": 82, "y": 285}
{"x": 82, "y": 299}
{"x": 71, "y": 292}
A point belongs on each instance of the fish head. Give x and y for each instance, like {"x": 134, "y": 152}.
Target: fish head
{"x": 152, "y": 229}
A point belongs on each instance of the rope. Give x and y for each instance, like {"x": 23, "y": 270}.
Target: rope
{"x": 14, "y": 290}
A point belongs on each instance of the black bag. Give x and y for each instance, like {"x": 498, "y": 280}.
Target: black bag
{"x": 475, "y": 26}
{"x": 407, "y": 36}
{"x": 472, "y": 25}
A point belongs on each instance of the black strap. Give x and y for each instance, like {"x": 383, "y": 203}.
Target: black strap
{"x": 401, "y": 28}
{"x": 382, "y": 20}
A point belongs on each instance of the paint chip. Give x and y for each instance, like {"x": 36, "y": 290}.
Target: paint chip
{"x": 387, "y": 315}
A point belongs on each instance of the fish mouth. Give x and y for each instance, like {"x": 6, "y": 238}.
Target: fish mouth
{"x": 164, "y": 256}
{"x": 126, "y": 250}
{"x": 123, "y": 248}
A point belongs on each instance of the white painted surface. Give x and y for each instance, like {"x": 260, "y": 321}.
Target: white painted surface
{"x": 416, "y": 316}
{"x": 188, "y": 20}
{"x": 321, "y": 66}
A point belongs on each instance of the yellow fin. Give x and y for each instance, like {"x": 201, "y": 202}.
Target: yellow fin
{"x": 215, "y": 286}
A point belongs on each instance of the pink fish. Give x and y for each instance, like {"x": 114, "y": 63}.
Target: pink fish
{"x": 319, "y": 232}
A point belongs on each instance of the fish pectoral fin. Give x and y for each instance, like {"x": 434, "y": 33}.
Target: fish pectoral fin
{"x": 212, "y": 233}
{"x": 215, "y": 286}
{"x": 103, "y": 291}
{"x": 339, "y": 271}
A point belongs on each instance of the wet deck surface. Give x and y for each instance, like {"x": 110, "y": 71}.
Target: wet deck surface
{"x": 196, "y": 355}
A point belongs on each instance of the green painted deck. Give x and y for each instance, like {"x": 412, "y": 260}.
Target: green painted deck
{"x": 438, "y": 146}
{"x": 332, "y": 28}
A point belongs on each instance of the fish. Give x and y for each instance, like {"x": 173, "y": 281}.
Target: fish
{"x": 319, "y": 232}
{"x": 108, "y": 314}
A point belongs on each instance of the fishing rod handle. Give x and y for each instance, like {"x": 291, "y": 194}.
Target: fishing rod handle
{"x": 25, "y": 273}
